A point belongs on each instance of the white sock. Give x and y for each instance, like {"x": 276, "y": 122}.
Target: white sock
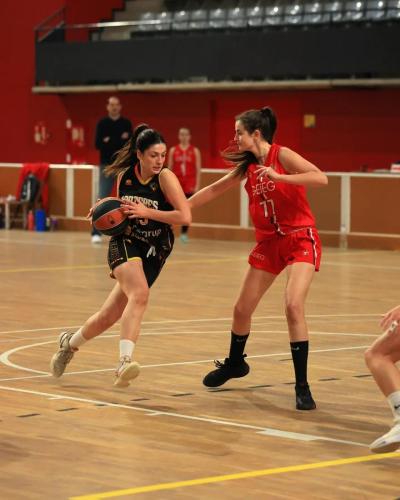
{"x": 394, "y": 403}
{"x": 126, "y": 348}
{"x": 77, "y": 339}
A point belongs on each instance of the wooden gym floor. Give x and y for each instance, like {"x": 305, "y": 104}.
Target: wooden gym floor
{"x": 167, "y": 436}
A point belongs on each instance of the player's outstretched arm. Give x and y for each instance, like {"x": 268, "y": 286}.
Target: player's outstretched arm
{"x": 214, "y": 190}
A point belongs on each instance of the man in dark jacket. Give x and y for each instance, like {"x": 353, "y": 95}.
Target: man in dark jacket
{"x": 112, "y": 132}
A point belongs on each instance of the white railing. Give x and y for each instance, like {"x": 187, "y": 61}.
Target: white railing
{"x": 69, "y": 182}
{"x": 244, "y": 223}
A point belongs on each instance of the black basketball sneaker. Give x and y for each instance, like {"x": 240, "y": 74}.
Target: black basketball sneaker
{"x": 304, "y": 399}
{"x": 226, "y": 370}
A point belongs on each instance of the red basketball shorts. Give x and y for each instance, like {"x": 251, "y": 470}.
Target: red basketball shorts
{"x": 274, "y": 254}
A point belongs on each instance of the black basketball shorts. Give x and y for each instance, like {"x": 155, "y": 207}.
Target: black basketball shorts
{"x": 124, "y": 248}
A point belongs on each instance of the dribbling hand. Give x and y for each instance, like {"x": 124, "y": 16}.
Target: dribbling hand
{"x": 89, "y": 215}
{"x": 134, "y": 209}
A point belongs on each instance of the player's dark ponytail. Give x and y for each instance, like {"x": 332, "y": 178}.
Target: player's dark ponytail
{"x": 269, "y": 127}
{"x": 239, "y": 160}
{"x": 264, "y": 120}
{"x": 143, "y": 137}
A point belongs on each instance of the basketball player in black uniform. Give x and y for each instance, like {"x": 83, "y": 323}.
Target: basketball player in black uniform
{"x": 137, "y": 256}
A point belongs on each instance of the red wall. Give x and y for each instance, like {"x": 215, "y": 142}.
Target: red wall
{"x": 353, "y": 127}
{"x": 21, "y": 109}
{"x": 17, "y": 57}
{"x": 84, "y": 12}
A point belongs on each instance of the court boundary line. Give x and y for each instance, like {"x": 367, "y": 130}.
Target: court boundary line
{"x": 269, "y": 431}
{"x": 115, "y": 333}
{"x": 41, "y": 374}
{"x": 99, "y": 266}
{"x": 202, "y": 320}
{"x": 264, "y": 431}
{"x": 180, "y": 262}
{"x": 236, "y": 476}
{"x": 81, "y": 244}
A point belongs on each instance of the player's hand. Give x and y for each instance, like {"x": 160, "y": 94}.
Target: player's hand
{"x": 89, "y": 215}
{"x": 263, "y": 172}
{"x": 391, "y": 320}
{"x": 135, "y": 209}
{"x": 106, "y": 139}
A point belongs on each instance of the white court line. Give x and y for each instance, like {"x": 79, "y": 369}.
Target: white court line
{"x": 189, "y": 332}
{"x": 116, "y": 333}
{"x": 303, "y": 437}
{"x": 177, "y": 253}
{"x": 4, "y": 359}
{"x": 202, "y": 320}
{"x": 66, "y": 244}
{"x": 186, "y": 332}
{"x": 150, "y": 412}
{"x": 362, "y": 266}
{"x": 72, "y": 244}
{"x": 193, "y": 332}
{"x": 336, "y": 252}
{"x": 75, "y": 242}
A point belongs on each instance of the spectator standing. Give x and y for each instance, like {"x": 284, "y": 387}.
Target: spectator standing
{"x": 112, "y": 132}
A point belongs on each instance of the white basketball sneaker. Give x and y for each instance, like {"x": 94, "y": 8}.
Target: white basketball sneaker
{"x": 63, "y": 356}
{"x": 388, "y": 442}
{"x": 126, "y": 371}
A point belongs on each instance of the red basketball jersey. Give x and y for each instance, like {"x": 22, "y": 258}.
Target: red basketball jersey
{"x": 276, "y": 208}
{"x": 184, "y": 167}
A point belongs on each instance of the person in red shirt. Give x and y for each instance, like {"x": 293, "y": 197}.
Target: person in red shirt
{"x": 276, "y": 178}
{"x": 381, "y": 359}
{"x": 185, "y": 161}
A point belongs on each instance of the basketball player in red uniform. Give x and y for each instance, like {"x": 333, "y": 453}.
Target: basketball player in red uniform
{"x": 381, "y": 359}
{"x": 153, "y": 200}
{"x": 286, "y": 237}
{"x": 185, "y": 161}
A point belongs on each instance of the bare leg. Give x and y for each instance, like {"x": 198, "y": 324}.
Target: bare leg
{"x": 70, "y": 342}
{"x": 109, "y": 313}
{"x": 255, "y": 284}
{"x": 300, "y": 275}
{"x": 128, "y": 301}
{"x": 381, "y": 358}
{"x": 133, "y": 283}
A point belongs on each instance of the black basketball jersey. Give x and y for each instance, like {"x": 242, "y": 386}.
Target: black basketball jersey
{"x": 132, "y": 187}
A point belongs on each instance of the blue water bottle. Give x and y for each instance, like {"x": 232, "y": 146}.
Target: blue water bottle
{"x": 40, "y": 220}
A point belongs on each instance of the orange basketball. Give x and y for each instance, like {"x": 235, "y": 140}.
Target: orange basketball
{"x": 108, "y": 217}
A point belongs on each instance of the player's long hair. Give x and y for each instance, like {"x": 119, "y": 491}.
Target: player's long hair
{"x": 143, "y": 138}
{"x": 263, "y": 120}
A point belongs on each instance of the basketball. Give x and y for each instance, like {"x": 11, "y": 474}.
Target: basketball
{"x": 108, "y": 217}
